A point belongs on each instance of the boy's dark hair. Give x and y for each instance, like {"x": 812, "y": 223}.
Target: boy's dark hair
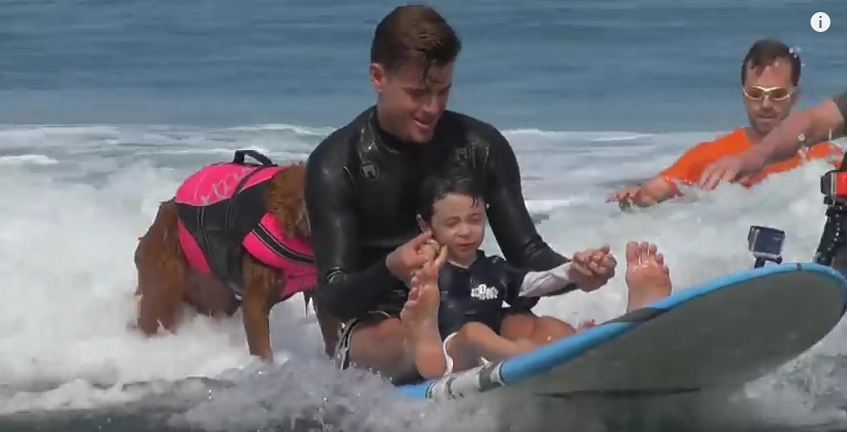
{"x": 437, "y": 186}
{"x": 764, "y": 52}
{"x": 414, "y": 34}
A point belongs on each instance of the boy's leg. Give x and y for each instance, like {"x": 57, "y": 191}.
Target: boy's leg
{"x": 538, "y": 330}
{"x": 420, "y": 318}
{"x": 475, "y": 341}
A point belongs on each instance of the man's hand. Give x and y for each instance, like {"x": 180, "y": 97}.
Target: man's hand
{"x": 411, "y": 256}
{"x": 651, "y": 192}
{"x": 590, "y": 269}
{"x": 625, "y": 197}
{"x": 422, "y": 302}
{"x": 427, "y": 275}
{"x": 726, "y": 169}
{"x": 430, "y": 249}
{"x": 731, "y": 169}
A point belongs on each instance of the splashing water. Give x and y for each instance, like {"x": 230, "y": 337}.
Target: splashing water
{"x": 76, "y": 199}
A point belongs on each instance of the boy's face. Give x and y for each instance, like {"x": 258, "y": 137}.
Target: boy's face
{"x": 458, "y": 222}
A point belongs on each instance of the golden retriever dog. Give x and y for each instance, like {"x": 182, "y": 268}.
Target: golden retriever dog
{"x": 234, "y": 235}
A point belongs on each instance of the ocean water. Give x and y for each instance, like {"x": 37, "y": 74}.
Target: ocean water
{"x": 106, "y": 105}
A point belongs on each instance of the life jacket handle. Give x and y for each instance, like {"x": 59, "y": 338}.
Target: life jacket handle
{"x": 241, "y": 154}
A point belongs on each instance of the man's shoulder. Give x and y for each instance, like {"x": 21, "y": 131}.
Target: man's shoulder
{"x": 338, "y": 145}
{"x": 690, "y": 165}
{"x": 733, "y": 137}
{"x": 466, "y": 119}
{"x": 722, "y": 144}
{"x": 472, "y": 126}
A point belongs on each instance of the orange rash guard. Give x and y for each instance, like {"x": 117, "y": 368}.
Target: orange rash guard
{"x": 689, "y": 167}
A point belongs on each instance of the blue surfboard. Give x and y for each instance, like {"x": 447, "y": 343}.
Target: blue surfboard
{"x": 723, "y": 333}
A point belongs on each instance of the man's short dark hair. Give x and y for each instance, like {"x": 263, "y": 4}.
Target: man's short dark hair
{"x": 764, "y": 53}
{"x": 414, "y": 34}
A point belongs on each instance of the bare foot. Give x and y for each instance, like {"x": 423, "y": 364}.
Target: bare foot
{"x": 647, "y": 277}
{"x": 420, "y": 317}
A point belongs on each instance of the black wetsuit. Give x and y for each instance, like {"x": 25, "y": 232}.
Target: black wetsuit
{"x": 477, "y": 293}
{"x": 841, "y": 102}
{"x": 830, "y": 249}
{"x": 361, "y": 193}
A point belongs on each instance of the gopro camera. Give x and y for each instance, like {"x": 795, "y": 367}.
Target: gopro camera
{"x": 766, "y": 244}
{"x": 834, "y": 185}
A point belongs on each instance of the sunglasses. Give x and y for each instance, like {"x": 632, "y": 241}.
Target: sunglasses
{"x": 773, "y": 93}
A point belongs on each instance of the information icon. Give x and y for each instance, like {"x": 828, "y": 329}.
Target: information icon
{"x": 820, "y": 22}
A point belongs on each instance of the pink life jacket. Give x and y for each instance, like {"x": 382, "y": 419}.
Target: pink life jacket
{"x": 222, "y": 213}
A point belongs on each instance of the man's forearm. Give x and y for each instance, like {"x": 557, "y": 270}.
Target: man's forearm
{"x": 349, "y": 295}
{"x": 654, "y": 191}
{"x": 347, "y": 287}
{"x": 806, "y": 128}
{"x": 784, "y": 140}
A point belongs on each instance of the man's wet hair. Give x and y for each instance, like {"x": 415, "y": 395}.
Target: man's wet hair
{"x": 414, "y": 34}
{"x": 764, "y": 53}
{"x": 438, "y": 186}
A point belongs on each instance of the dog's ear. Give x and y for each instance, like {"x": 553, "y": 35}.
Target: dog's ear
{"x": 284, "y": 199}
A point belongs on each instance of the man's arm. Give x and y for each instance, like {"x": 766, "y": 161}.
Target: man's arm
{"x": 656, "y": 190}
{"x": 510, "y": 221}
{"x": 686, "y": 170}
{"x": 805, "y": 128}
{"x": 346, "y": 290}
{"x": 651, "y": 192}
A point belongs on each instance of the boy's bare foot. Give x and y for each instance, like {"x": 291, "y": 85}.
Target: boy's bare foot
{"x": 647, "y": 277}
{"x": 420, "y": 316}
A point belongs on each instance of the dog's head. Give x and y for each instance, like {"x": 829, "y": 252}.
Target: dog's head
{"x": 285, "y": 200}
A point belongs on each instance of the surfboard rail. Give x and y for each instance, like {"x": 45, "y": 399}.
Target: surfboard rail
{"x": 789, "y": 285}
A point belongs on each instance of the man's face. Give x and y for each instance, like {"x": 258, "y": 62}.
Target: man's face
{"x": 765, "y": 110}
{"x": 410, "y": 104}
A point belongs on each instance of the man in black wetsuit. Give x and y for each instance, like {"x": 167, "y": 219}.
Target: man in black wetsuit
{"x": 362, "y": 185}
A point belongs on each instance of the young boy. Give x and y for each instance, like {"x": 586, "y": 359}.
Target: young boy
{"x": 459, "y": 294}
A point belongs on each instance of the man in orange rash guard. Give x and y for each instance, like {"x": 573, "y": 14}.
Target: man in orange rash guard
{"x": 770, "y": 74}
